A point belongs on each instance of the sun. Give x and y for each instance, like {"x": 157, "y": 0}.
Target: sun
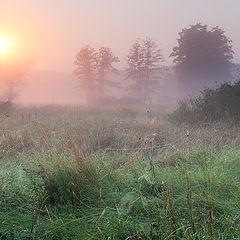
{"x": 6, "y": 45}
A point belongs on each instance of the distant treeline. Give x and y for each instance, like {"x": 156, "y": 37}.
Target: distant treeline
{"x": 201, "y": 58}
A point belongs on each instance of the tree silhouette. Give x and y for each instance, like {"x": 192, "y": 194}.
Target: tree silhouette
{"x": 11, "y": 74}
{"x": 143, "y": 68}
{"x": 105, "y": 60}
{"x": 202, "y": 56}
{"x": 85, "y": 63}
{"x": 91, "y": 68}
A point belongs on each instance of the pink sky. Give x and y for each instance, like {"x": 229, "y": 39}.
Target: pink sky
{"x": 52, "y": 31}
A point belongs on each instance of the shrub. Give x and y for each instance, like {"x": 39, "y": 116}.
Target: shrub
{"x": 211, "y": 105}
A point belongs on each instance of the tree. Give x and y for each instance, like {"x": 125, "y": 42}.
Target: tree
{"x": 105, "y": 60}
{"x": 202, "y": 56}
{"x": 143, "y": 68}
{"x": 91, "y": 68}
{"x": 11, "y": 74}
{"x": 85, "y": 70}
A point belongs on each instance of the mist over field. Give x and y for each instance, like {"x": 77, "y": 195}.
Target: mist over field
{"x": 56, "y": 37}
{"x": 119, "y": 120}
{"x": 53, "y": 87}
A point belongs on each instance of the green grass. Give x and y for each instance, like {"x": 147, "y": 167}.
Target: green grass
{"x": 75, "y": 174}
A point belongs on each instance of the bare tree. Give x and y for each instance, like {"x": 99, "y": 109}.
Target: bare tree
{"x": 144, "y": 68}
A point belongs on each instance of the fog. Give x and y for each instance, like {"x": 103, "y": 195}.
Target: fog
{"x": 53, "y": 87}
{"x": 51, "y": 34}
{"x": 44, "y": 87}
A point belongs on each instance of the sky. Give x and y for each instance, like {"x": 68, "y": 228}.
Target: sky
{"x": 51, "y": 32}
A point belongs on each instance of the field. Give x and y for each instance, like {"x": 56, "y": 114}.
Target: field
{"x": 69, "y": 173}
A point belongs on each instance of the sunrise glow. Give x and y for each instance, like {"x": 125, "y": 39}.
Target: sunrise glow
{"x": 3, "y": 45}
{"x": 6, "y": 45}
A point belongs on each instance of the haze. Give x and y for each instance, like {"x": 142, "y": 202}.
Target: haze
{"x": 52, "y": 32}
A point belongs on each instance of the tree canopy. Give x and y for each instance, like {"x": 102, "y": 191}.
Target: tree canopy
{"x": 202, "y": 55}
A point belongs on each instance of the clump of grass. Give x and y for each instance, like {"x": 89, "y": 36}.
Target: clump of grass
{"x": 72, "y": 180}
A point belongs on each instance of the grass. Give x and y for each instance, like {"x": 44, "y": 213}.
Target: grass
{"x": 77, "y": 174}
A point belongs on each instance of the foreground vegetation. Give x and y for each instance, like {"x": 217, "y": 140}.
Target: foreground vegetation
{"x": 75, "y": 174}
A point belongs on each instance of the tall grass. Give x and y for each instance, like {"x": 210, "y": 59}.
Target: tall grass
{"x": 73, "y": 174}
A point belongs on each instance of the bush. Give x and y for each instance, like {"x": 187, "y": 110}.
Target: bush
{"x": 211, "y": 105}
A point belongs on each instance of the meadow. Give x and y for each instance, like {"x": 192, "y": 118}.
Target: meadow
{"x": 70, "y": 173}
